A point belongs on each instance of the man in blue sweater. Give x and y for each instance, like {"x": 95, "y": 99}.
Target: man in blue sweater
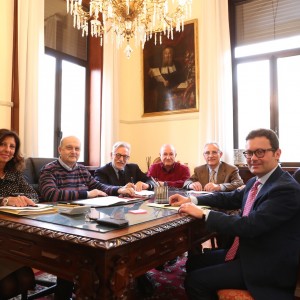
{"x": 66, "y": 180}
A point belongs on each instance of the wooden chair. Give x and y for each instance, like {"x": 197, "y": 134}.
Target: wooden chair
{"x": 233, "y": 294}
{"x": 156, "y": 160}
{"x": 32, "y": 174}
{"x": 49, "y": 288}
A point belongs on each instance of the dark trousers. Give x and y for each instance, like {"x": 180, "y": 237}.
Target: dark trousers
{"x": 208, "y": 272}
{"x": 63, "y": 290}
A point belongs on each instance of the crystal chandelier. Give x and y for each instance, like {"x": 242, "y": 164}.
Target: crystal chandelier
{"x": 127, "y": 19}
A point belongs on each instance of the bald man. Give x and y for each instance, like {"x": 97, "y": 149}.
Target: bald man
{"x": 66, "y": 180}
{"x": 168, "y": 171}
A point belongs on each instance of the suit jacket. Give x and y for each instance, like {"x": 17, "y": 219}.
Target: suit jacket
{"x": 296, "y": 175}
{"x": 107, "y": 175}
{"x": 228, "y": 175}
{"x": 269, "y": 236}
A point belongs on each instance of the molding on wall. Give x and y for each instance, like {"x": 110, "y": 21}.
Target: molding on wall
{"x": 175, "y": 117}
{"x": 6, "y": 103}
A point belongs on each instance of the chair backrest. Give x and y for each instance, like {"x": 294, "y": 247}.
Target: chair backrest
{"x": 157, "y": 160}
{"x": 33, "y": 169}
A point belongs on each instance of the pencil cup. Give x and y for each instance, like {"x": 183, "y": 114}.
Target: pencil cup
{"x": 161, "y": 194}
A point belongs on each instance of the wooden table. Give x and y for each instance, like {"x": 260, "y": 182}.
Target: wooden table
{"x": 102, "y": 265}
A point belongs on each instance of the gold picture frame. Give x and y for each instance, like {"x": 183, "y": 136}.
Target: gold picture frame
{"x": 170, "y": 72}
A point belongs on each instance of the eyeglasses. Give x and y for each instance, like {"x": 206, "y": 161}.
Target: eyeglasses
{"x": 259, "y": 153}
{"x": 212, "y": 153}
{"x": 118, "y": 156}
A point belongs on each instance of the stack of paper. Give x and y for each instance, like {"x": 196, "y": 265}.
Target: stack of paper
{"x": 29, "y": 210}
{"x": 107, "y": 201}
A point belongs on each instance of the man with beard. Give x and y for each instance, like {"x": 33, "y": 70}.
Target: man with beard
{"x": 165, "y": 78}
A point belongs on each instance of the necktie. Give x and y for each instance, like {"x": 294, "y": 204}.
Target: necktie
{"x": 122, "y": 177}
{"x": 249, "y": 202}
{"x": 212, "y": 176}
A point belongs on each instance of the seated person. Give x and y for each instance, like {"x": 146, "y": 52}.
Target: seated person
{"x": 215, "y": 175}
{"x": 267, "y": 233}
{"x": 14, "y": 190}
{"x": 119, "y": 172}
{"x": 66, "y": 180}
{"x": 296, "y": 175}
{"x": 168, "y": 171}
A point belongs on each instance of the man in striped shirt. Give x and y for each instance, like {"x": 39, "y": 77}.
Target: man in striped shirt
{"x": 66, "y": 180}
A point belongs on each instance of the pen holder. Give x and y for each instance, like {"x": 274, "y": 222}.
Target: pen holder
{"x": 161, "y": 194}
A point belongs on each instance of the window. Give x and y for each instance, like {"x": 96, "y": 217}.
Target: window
{"x": 266, "y": 60}
{"x": 63, "y": 104}
{"x": 62, "y": 109}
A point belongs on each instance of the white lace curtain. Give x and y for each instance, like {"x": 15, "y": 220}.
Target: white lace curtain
{"x": 30, "y": 51}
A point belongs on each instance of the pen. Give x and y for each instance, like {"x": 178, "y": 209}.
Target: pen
{"x": 156, "y": 183}
{"x": 166, "y": 205}
{"x": 69, "y": 203}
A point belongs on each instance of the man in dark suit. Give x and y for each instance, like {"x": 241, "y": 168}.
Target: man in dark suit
{"x": 215, "y": 175}
{"x": 267, "y": 234}
{"x": 120, "y": 173}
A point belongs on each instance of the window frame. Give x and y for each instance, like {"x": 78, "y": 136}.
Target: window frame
{"x": 59, "y": 56}
{"x": 272, "y": 57}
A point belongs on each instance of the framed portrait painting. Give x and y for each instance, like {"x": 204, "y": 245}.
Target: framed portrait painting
{"x": 170, "y": 73}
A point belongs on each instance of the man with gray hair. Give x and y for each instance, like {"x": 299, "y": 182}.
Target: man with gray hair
{"x": 66, "y": 180}
{"x": 215, "y": 175}
{"x": 121, "y": 173}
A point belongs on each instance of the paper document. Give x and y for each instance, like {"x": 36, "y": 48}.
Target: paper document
{"x": 29, "y": 210}
{"x": 144, "y": 193}
{"x": 107, "y": 201}
{"x": 166, "y": 206}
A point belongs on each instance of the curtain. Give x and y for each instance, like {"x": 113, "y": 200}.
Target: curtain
{"x": 215, "y": 86}
{"x": 110, "y": 98}
{"x": 30, "y": 49}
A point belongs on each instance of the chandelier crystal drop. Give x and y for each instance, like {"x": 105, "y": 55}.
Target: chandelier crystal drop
{"x": 127, "y": 19}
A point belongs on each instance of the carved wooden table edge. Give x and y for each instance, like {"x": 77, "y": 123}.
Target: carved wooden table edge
{"x": 94, "y": 242}
{"x": 103, "y": 275}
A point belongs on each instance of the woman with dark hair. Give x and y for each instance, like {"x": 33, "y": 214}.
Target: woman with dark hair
{"x": 14, "y": 191}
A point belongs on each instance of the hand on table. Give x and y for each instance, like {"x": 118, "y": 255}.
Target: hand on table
{"x": 212, "y": 187}
{"x": 96, "y": 193}
{"x": 191, "y": 209}
{"x": 126, "y": 191}
{"x": 20, "y": 201}
{"x": 177, "y": 200}
{"x": 196, "y": 186}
